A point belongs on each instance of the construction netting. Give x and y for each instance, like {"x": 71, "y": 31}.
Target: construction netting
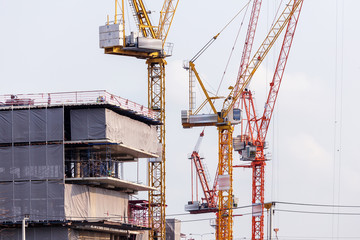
{"x": 32, "y": 162}
{"x": 31, "y": 125}
{"x": 64, "y": 233}
{"x": 105, "y": 124}
{"x": 41, "y": 200}
{"x": 39, "y": 233}
{"x": 32, "y": 166}
{"x": 89, "y": 203}
{"x": 56, "y": 201}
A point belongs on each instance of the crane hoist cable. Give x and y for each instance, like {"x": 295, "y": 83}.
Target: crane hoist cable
{"x": 232, "y": 51}
{"x": 212, "y": 40}
{"x": 128, "y": 18}
{"x": 208, "y": 44}
{"x": 276, "y": 14}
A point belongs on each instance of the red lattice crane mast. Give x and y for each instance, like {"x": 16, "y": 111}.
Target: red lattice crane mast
{"x": 251, "y": 143}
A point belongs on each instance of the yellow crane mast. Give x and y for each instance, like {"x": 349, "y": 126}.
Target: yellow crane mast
{"x": 227, "y": 117}
{"x": 148, "y": 43}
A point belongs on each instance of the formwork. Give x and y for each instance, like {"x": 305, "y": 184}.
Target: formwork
{"x": 61, "y": 163}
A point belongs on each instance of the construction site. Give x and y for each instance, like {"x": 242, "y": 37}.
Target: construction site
{"x": 245, "y": 139}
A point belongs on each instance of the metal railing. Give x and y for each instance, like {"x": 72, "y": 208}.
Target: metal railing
{"x": 79, "y": 97}
{"x": 92, "y": 168}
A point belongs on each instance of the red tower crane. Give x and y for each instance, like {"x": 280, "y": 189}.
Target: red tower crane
{"x": 251, "y": 142}
{"x": 209, "y": 202}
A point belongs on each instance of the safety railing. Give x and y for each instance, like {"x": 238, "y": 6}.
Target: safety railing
{"x": 79, "y": 97}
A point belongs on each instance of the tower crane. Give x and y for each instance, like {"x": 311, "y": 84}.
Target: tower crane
{"x": 251, "y": 143}
{"x": 229, "y": 116}
{"x": 210, "y": 194}
{"x": 148, "y": 43}
{"x": 209, "y": 202}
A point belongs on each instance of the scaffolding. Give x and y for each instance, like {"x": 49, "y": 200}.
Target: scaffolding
{"x": 138, "y": 212}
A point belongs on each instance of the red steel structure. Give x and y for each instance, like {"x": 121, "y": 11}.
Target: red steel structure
{"x": 138, "y": 212}
{"x": 210, "y": 200}
{"x": 255, "y": 131}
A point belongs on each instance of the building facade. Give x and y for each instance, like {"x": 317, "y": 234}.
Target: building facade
{"x": 61, "y": 164}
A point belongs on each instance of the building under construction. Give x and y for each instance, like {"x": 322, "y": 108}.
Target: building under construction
{"x": 62, "y": 165}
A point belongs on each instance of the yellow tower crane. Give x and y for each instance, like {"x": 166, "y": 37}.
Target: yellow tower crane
{"x": 227, "y": 117}
{"x": 148, "y": 43}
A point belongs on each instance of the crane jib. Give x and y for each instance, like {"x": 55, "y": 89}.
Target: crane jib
{"x": 261, "y": 53}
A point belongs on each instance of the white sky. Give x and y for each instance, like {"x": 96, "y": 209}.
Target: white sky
{"x": 52, "y": 46}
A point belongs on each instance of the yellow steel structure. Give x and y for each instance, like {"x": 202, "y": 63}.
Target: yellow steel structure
{"x": 166, "y": 16}
{"x": 156, "y": 97}
{"x": 143, "y": 19}
{"x": 156, "y": 101}
{"x": 224, "y": 125}
{"x": 224, "y": 219}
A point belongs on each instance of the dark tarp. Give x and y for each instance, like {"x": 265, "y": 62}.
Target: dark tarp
{"x": 32, "y": 125}
{"x": 32, "y": 162}
{"x": 5, "y": 126}
{"x": 36, "y": 233}
{"x": 88, "y": 124}
{"x": 42, "y": 200}
{"x": 105, "y": 124}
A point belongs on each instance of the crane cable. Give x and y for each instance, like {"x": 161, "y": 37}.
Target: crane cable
{"x": 275, "y": 182}
{"x": 128, "y": 16}
{"x": 276, "y": 14}
{"x": 232, "y": 51}
{"x": 338, "y": 111}
{"x": 212, "y": 40}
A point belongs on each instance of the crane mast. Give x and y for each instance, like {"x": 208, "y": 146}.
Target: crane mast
{"x": 156, "y": 168}
{"x": 147, "y": 44}
{"x": 256, "y": 130}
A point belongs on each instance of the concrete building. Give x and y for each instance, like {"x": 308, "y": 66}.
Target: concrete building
{"x": 173, "y": 229}
{"x": 61, "y": 163}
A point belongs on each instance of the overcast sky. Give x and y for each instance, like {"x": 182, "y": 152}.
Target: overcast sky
{"x": 52, "y": 46}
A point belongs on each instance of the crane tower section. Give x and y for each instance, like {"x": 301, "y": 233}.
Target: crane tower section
{"x": 148, "y": 43}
